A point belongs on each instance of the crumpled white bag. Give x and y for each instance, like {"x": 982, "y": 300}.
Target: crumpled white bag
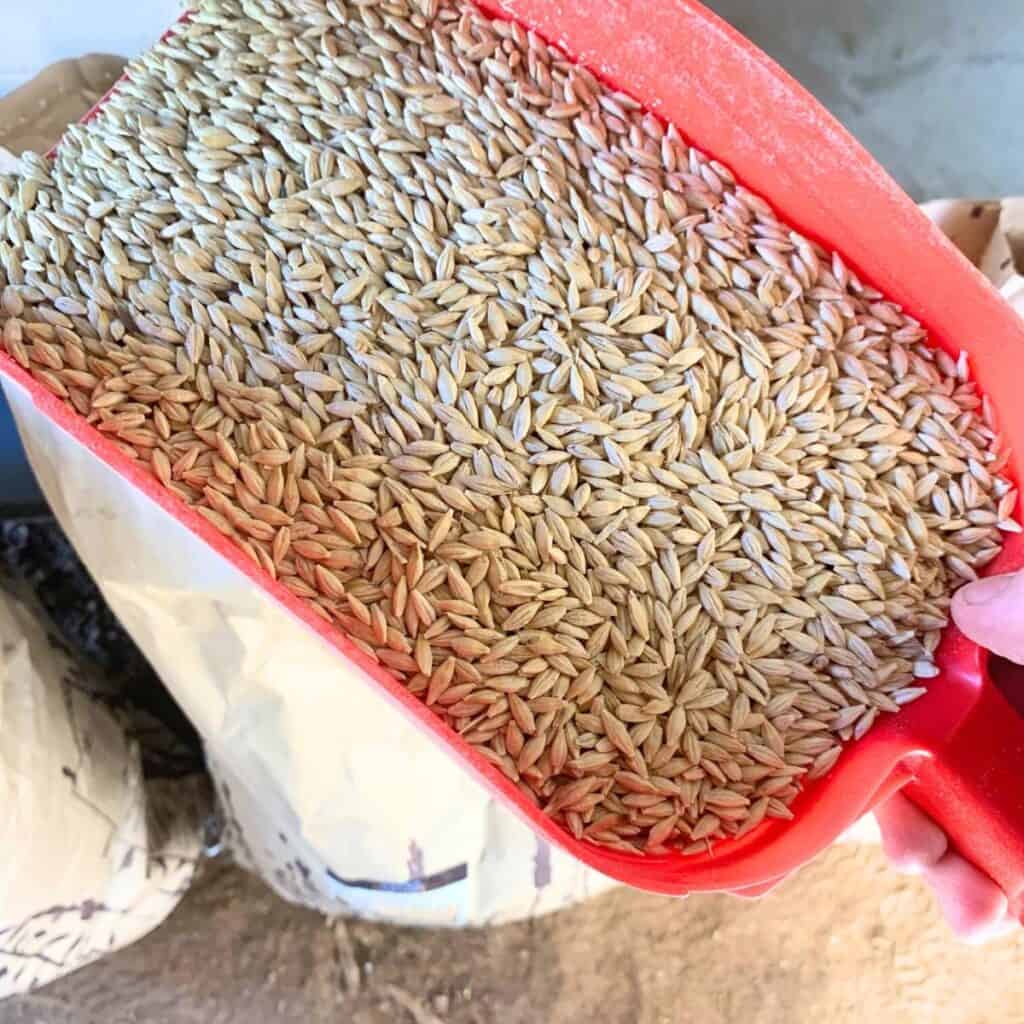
{"x": 94, "y": 856}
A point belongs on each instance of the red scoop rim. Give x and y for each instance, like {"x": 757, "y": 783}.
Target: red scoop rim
{"x": 664, "y": 49}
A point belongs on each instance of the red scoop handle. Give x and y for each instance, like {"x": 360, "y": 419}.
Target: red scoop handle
{"x": 965, "y": 769}
{"x": 973, "y": 784}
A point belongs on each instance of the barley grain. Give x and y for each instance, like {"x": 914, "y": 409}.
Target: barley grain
{"x": 643, "y": 493}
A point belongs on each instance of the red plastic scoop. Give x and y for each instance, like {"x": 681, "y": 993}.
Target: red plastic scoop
{"x": 959, "y": 750}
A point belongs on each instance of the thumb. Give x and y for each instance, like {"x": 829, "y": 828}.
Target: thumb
{"x": 991, "y": 613}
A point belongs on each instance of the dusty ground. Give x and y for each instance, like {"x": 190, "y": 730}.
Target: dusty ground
{"x": 844, "y": 942}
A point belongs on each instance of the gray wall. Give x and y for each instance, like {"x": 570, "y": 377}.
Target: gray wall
{"x": 934, "y": 88}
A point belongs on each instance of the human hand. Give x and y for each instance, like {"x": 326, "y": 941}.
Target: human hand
{"x": 991, "y": 613}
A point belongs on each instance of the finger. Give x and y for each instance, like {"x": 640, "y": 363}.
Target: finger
{"x": 991, "y": 613}
{"x": 971, "y": 902}
{"x": 910, "y": 839}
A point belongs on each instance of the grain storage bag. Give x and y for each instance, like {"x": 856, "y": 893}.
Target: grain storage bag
{"x": 95, "y": 854}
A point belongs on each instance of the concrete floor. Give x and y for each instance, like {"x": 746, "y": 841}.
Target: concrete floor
{"x": 935, "y": 92}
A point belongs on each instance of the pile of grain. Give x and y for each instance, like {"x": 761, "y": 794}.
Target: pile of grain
{"x": 649, "y": 498}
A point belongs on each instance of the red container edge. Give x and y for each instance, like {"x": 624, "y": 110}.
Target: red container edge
{"x": 688, "y": 66}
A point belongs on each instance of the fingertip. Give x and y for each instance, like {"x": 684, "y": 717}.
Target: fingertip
{"x": 988, "y": 612}
{"x": 974, "y": 906}
{"x": 910, "y": 839}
